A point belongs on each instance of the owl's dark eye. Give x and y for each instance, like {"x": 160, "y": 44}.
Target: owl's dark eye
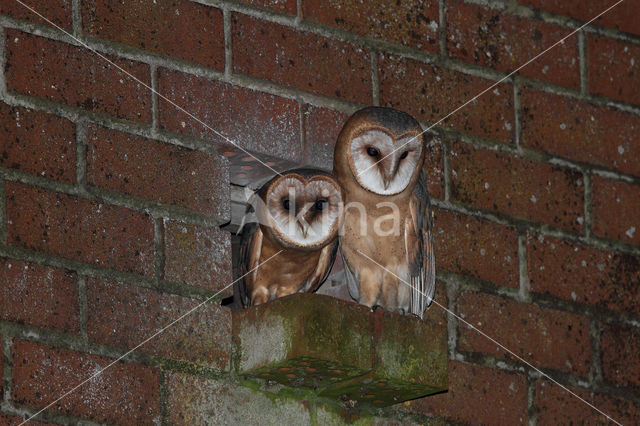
{"x": 372, "y": 151}
{"x": 320, "y": 205}
{"x": 404, "y": 155}
{"x": 285, "y": 204}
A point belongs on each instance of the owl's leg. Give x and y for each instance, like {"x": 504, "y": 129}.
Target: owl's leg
{"x": 369, "y": 288}
{"x": 259, "y": 295}
{"x": 285, "y": 291}
{"x": 389, "y": 292}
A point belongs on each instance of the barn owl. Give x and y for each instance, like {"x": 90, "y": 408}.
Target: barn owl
{"x": 297, "y": 213}
{"x": 378, "y": 161}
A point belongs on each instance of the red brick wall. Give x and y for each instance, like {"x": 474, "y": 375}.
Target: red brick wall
{"x": 111, "y": 199}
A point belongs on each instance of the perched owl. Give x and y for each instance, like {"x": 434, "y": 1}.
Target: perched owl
{"x": 378, "y": 161}
{"x": 298, "y": 212}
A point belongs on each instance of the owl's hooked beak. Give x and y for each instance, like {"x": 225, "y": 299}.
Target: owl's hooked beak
{"x": 304, "y": 227}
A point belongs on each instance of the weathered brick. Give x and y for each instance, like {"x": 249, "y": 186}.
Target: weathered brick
{"x": 71, "y": 227}
{"x": 478, "y": 395}
{"x": 434, "y": 168}
{"x": 476, "y": 247}
{"x": 38, "y": 295}
{"x": 253, "y": 120}
{"x": 544, "y": 337}
{"x": 557, "y": 406}
{"x": 321, "y": 129}
{"x": 180, "y": 29}
{"x": 301, "y": 60}
{"x": 197, "y": 255}
{"x": 413, "y": 24}
{"x": 622, "y": 17}
{"x": 157, "y": 171}
{"x": 8, "y": 420}
{"x": 504, "y": 42}
{"x": 613, "y": 69}
{"x": 614, "y": 212}
{"x": 197, "y": 400}
{"x": 124, "y": 393}
{"x": 37, "y": 143}
{"x": 523, "y": 188}
{"x": 56, "y": 11}
{"x": 283, "y": 6}
{"x": 121, "y": 315}
{"x": 429, "y": 93}
{"x": 573, "y": 271}
{"x": 580, "y": 131}
{"x": 619, "y": 354}
{"x": 71, "y": 75}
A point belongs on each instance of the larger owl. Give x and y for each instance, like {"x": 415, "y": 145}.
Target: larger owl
{"x": 297, "y": 214}
{"x": 378, "y": 161}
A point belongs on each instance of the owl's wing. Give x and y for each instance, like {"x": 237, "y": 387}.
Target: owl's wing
{"x": 325, "y": 262}
{"x": 419, "y": 247}
{"x": 250, "y": 247}
{"x": 353, "y": 284}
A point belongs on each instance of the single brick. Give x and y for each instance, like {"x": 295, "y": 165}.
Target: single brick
{"x": 430, "y": 93}
{"x": 580, "y": 131}
{"x": 321, "y": 129}
{"x": 613, "y": 69}
{"x": 300, "y": 60}
{"x": 180, "y": 29}
{"x": 502, "y": 41}
{"x": 38, "y": 295}
{"x": 413, "y": 24}
{"x": 283, "y": 6}
{"x": 573, "y": 271}
{"x": 476, "y": 247}
{"x": 197, "y": 400}
{"x": 125, "y": 316}
{"x": 197, "y": 255}
{"x": 615, "y": 206}
{"x": 619, "y": 354}
{"x": 123, "y": 393}
{"x": 523, "y": 188}
{"x": 478, "y": 395}
{"x": 543, "y": 337}
{"x": 8, "y": 420}
{"x": 253, "y": 120}
{"x": 37, "y": 143}
{"x": 71, "y": 75}
{"x": 71, "y": 227}
{"x": 622, "y": 17}
{"x": 557, "y": 406}
{"x": 56, "y": 11}
{"x": 157, "y": 171}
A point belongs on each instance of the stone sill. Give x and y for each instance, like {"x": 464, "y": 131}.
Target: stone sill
{"x": 341, "y": 350}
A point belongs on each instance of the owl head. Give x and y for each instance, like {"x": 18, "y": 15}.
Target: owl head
{"x": 301, "y": 208}
{"x": 382, "y": 149}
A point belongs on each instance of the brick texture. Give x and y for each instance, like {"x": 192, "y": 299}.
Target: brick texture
{"x": 613, "y": 69}
{"x": 38, "y": 295}
{"x": 412, "y": 24}
{"x": 583, "y": 274}
{"x": 619, "y": 355}
{"x": 505, "y": 42}
{"x": 301, "y": 60}
{"x": 16, "y": 421}
{"x": 37, "y": 143}
{"x": 579, "y": 131}
{"x": 475, "y": 247}
{"x": 430, "y": 93}
{"x": 478, "y": 395}
{"x": 180, "y": 29}
{"x": 253, "y": 120}
{"x": 124, "y": 393}
{"x": 321, "y": 129}
{"x": 158, "y": 172}
{"x": 614, "y": 210}
{"x": 544, "y": 337}
{"x": 71, "y": 227}
{"x": 523, "y": 188}
{"x": 125, "y": 316}
{"x": 198, "y": 256}
{"x": 58, "y": 12}
{"x": 282, "y": 6}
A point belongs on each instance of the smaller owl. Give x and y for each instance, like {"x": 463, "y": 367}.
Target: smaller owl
{"x": 298, "y": 213}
